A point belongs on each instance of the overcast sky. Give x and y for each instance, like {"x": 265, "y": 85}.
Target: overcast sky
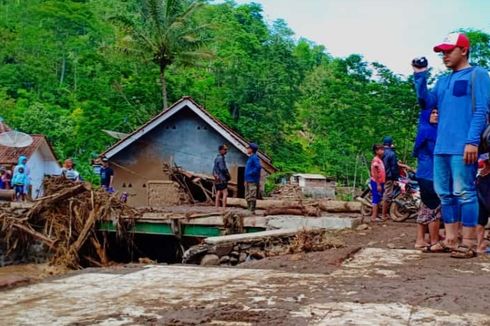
{"x": 388, "y": 31}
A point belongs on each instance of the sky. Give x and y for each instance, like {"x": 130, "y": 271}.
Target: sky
{"x": 391, "y": 32}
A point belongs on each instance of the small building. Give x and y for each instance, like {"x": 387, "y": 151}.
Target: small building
{"x": 41, "y": 160}
{"x": 184, "y": 135}
{"x": 314, "y": 185}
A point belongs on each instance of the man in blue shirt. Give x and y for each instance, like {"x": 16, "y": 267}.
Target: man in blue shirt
{"x": 252, "y": 176}
{"x": 462, "y": 97}
{"x": 392, "y": 174}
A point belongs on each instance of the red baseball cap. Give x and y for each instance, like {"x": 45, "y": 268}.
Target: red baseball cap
{"x": 452, "y": 41}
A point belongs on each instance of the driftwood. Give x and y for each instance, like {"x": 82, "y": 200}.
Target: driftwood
{"x": 53, "y": 200}
{"x": 332, "y": 206}
{"x": 65, "y": 222}
{"x": 27, "y": 229}
{"x": 305, "y": 211}
{"x": 264, "y": 204}
{"x": 335, "y": 206}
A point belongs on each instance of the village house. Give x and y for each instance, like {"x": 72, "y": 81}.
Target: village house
{"x": 41, "y": 160}
{"x": 184, "y": 135}
{"x": 314, "y": 185}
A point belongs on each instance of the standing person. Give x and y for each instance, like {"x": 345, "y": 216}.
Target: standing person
{"x": 22, "y": 163}
{"x": 69, "y": 172}
{"x": 392, "y": 174}
{"x": 221, "y": 176}
{"x": 429, "y": 214}
{"x": 3, "y": 171}
{"x": 252, "y": 176}
{"x": 6, "y": 177}
{"x": 483, "y": 191}
{"x": 378, "y": 179}
{"x": 106, "y": 175}
{"x": 462, "y": 99}
{"x": 19, "y": 182}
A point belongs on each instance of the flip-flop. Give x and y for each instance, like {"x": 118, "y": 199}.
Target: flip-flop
{"x": 444, "y": 249}
{"x": 421, "y": 247}
{"x": 463, "y": 252}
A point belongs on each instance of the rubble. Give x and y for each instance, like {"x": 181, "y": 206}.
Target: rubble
{"x": 63, "y": 224}
{"x": 238, "y": 249}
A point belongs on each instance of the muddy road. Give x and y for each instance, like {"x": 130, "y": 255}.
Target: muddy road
{"x": 377, "y": 278}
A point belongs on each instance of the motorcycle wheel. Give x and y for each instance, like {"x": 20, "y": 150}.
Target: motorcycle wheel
{"x": 365, "y": 209}
{"x": 398, "y": 213}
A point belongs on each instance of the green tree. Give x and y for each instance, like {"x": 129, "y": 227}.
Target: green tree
{"x": 167, "y": 33}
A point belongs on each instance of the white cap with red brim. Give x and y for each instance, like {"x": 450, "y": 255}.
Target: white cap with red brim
{"x": 452, "y": 41}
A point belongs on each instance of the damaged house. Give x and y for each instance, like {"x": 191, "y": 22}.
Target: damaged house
{"x": 184, "y": 135}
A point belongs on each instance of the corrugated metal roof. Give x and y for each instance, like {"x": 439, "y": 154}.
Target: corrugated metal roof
{"x": 310, "y": 176}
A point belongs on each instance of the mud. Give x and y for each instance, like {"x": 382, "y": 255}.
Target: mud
{"x": 432, "y": 280}
{"x": 376, "y": 279}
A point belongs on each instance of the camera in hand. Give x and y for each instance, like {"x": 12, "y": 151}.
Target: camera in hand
{"x": 421, "y": 62}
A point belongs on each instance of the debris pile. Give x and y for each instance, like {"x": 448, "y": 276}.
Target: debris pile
{"x": 288, "y": 192}
{"x": 233, "y": 253}
{"x": 64, "y": 222}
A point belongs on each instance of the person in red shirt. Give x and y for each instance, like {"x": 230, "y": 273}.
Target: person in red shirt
{"x": 378, "y": 179}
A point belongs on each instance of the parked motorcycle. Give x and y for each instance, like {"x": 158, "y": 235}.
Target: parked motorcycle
{"x": 406, "y": 202}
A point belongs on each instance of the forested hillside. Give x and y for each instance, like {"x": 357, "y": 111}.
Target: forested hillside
{"x": 69, "y": 69}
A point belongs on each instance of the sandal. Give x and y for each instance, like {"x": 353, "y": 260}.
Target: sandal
{"x": 421, "y": 247}
{"x": 464, "y": 252}
{"x": 443, "y": 248}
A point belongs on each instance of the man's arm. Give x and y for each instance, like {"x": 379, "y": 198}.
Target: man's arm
{"x": 427, "y": 99}
{"x": 480, "y": 91}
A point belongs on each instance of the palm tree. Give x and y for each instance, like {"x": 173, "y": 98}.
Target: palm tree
{"x": 169, "y": 34}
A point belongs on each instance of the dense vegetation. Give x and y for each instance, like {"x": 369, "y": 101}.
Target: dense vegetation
{"x": 71, "y": 68}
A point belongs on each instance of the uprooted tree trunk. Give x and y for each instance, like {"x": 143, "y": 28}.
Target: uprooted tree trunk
{"x": 331, "y": 206}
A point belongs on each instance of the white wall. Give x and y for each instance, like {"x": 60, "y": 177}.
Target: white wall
{"x": 39, "y": 167}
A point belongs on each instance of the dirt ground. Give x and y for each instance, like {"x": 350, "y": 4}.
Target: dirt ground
{"x": 435, "y": 281}
{"x": 375, "y": 279}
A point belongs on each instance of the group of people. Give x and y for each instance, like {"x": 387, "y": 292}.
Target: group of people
{"x": 17, "y": 179}
{"x": 454, "y": 186}
{"x": 222, "y": 176}
{"x": 106, "y": 174}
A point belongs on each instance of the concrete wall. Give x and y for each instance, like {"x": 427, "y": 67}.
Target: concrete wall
{"x": 183, "y": 139}
{"x": 317, "y": 188}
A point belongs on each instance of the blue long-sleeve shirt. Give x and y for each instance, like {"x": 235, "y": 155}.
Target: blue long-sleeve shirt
{"x": 252, "y": 169}
{"x": 424, "y": 146}
{"x": 452, "y": 95}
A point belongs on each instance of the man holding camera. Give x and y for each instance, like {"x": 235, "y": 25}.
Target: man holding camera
{"x": 462, "y": 98}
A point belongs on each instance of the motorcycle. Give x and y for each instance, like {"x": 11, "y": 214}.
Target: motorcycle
{"x": 406, "y": 200}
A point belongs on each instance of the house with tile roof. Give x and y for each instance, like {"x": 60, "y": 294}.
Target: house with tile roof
{"x": 41, "y": 160}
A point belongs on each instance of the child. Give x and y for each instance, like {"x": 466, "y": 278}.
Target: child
{"x": 18, "y": 182}
{"x": 378, "y": 178}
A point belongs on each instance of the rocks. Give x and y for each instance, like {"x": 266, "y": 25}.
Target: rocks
{"x": 243, "y": 257}
{"x": 210, "y": 260}
{"x": 362, "y": 227}
{"x": 221, "y": 249}
{"x": 237, "y": 249}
